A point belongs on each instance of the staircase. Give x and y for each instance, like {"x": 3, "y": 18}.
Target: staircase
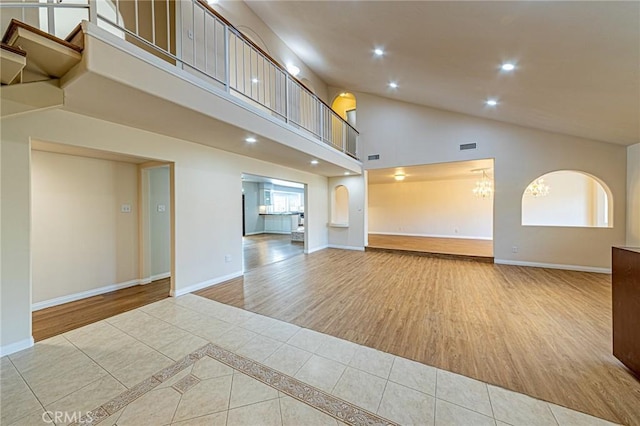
{"x": 31, "y": 55}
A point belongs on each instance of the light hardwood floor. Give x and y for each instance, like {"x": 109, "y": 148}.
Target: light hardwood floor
{"x": 455, "y": 246}
{"x": 546, "y": 333}
{"x": 59, "y": 319}
{"x": 263, "y": 249}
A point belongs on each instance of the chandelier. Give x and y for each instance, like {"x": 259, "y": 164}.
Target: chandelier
{"x": 537, "y": 188}
{"x": 484, "y": 187}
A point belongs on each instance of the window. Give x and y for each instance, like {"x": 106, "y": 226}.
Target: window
{"x": 567, "y": 198}
{"x": 285, "y": 202}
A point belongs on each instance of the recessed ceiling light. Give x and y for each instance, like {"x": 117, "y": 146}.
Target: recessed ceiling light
{"x": 399, "y": 176}
{"x": 378, "y": 51}
{"x": 251, "y": 139}
{"x": 347, "y": 173}
{"x": 314, "y": 162}
{"x": 491, "y": 102}
{"x": 393, "y": 85}
{"x": 293, "y": 70}
{"x": 508, "y": 67}
{"x": 254, "y": 80}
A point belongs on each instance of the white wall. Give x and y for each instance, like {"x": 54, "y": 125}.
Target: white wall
{"x": 160, "y": 221}
{"x": 208, "y": 225}
{"x": 353, "y": 236}
{"x": 633, "y": 195}
{"x": 435, "y": 208}
{"x": 406, "y": 134}
{"x": 80, "y": 238}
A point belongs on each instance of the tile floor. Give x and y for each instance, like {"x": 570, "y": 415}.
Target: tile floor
{"x": 119, "y": 366}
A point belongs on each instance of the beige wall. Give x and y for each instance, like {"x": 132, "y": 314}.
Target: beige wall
{"x": 440, "y": 208}
{"x": 633, "y": 196}
{"x": 208, "y": 216}
{"x": 78, "y": 229}
{"x": 405, "y": 134}
{"x": 15, "y": 282}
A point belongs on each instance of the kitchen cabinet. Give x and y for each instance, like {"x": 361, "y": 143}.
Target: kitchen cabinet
{"x": 265, "y": 197}
{"x": 277, "y": 223}
{"x": 625, "y": 294}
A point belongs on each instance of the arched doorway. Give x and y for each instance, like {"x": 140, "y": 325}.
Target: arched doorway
{"x": 345, "y": 106}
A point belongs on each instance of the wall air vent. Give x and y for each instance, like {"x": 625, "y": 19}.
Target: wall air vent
{"x": 466, "y": 146}
{"x": 373, "y": 157}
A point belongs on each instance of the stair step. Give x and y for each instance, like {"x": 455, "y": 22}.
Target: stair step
{"x": 12, "y": 62}
{"x": 47, "y": 56}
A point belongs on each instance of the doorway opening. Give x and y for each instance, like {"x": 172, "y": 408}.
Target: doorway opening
{"x": 88, "y": 236}
{"x": 444, "y": 208}
{"x": 273, "y": 220}
{"x": 345, "y": 106}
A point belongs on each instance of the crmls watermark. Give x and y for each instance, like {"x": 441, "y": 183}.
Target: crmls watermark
{"x": 65, "y": 416}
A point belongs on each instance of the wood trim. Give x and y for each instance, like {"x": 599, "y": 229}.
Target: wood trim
{"x": 268, "y": 56}
{"x": 73, "y": 33}
{"x": 13, "y": 49}
{"x": 14, "y": 25}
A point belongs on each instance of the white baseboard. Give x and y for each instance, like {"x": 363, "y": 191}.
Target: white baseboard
{"x": 153, "y": 278}
{"x": 254, "y": 233}
{"x": 12, "y": 348}
{"x": 356, "y": 248}
{"x": 277, "y": 232}
{"x": 402, "y": 234}
{"x": 315, "y": 249}
{"x": 82, "y": 295}
{"x": 579, "y": 268}
{"x": 181, "y": 291}
{"x": 160, "y": 276}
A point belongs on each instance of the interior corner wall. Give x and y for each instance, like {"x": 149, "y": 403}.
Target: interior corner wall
{"x": 436, "y": 208}
{"x": 406, "y": 134}
{"x": 633, "y": 195}
{"x": 353, "y": 236}
{"x": 15, "y": 226}
{"x": 254, "y": 223}
{"x": 78, "y": 228}
{"x": 160, "y": 221}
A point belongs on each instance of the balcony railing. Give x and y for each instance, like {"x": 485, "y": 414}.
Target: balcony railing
{"x": 192, "y": 36}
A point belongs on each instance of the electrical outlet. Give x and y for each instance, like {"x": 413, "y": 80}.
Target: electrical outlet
{"x": 161, "y": 208}
{"x": 125, "y": 208}
{"x": 514, "y": 249}
{"x": 227, "y": 258}
{"x": 455, "y": 230}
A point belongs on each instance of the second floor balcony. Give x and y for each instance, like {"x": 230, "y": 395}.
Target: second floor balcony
{"x": 190, "y": 35}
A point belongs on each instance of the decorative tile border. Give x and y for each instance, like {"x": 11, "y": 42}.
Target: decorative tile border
{"x": 316, "y": 398}
{"x": 335, "y": 407}
{"x": 186, "y": 383}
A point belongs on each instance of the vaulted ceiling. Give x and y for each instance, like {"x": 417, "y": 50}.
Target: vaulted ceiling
{"x": 577, "y": 62}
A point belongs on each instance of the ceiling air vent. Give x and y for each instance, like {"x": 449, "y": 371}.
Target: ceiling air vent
{"x": 466, "y": 146}
{"x": 373, "y": 157}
